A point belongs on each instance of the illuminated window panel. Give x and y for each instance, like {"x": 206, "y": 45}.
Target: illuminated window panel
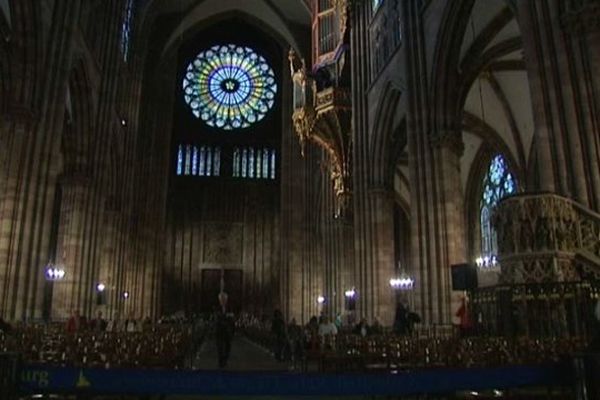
{"x": 126, "y": 30}
{"x": 180, "y": 160}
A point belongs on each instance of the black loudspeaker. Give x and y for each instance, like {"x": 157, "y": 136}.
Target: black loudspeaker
{"x": 464, "y": 276}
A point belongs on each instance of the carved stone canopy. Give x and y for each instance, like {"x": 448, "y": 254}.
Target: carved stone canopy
{"x": 546, "y": 238}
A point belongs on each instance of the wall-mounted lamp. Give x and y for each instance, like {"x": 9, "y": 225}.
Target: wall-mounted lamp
{"x": 487, "y": 262}
{"x": 402, "y": 283}
{"x": 54, "y": 273}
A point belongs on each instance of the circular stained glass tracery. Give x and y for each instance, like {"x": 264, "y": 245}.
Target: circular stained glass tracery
{"x": 229, "y": 86}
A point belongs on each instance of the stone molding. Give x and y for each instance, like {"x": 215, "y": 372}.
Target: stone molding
{"x": 20, "y": 113}
{"x": 447, "y": 138}
{"x": 583, "y": 20}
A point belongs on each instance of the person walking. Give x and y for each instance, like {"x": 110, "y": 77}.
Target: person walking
{"x": 279, "y": 330}
{"x": 224, "y": 330}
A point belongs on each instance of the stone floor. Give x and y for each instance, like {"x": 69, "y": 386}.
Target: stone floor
{"x": 245, "y": 356}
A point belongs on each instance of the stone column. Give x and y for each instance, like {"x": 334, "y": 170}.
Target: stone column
{"x": 437, "y": 221}
{"x": 451, "y": 231}
{"x": 562, "y": 52}
{"x": 382, "y": 244}
{"x": 16, "y": 133}
{"x": 293, "y": 286}
{"x": 109, "y": 259}
{"x": 70, "y": 293}
{"x": 27, "y": 198}
{"x": 364, "y": 266}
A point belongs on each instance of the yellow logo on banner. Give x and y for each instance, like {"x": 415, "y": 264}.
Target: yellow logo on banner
{"x": 82, "y": 381}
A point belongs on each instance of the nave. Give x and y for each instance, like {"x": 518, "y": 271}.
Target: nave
{"x": 245, "y": 356}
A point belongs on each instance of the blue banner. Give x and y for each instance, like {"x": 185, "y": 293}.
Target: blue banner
{"x": 142, "y": 382}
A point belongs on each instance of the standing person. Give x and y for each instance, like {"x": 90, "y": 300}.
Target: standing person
{"x": 592, "y": 359}
{"x": 224, "y": 330}
{"x": 362, "y": 328}
{"x": 295, "y": 341}
{"x": 98, "y": 324}
{"x": 401, "y": 320}
{"x": 115, "y": 324}
{"x": 464, "y": 314}
{"x": 131, "y": 324}
{"x": 5, "y": 327}
{"x": 278, "y": 329}
{"x": 326, "y": 327}
{"x": 74, "y": 322}
{"x": 376, "y": 328}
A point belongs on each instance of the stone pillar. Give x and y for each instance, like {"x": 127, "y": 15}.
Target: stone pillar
{"x": 383, "y": 261}
{"x": 16, "y": 133}
{"x": 365, "y": 276}
{"x": 437, "y": 222}
{"x": 70, "y": 293}
{"x": 109, "y": 260}
{"x": 27, "y": 197}
{"x": 451, "y": 232}
{"x": 293, "y": 287}
{"x": 562, "y": 46}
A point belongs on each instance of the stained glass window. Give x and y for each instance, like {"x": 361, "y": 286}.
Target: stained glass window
{"x": 198, "y": 161}
{"x": 376, "y": 4}
{"x": 265, "y": 167}
{"x": 244, "y": 162}
{"x": 188, "y": 159}
{"x": 229, "y": 86}
{"x": 202, "y": 161}
{"x": 498, "y": 183}
{"x": 217, "y": 162}
{"x": 236, "y": 163}
{"x": 126, "y": 29}
{"x": 208, "y": 161}
{"x": 272, "y": 164}
{"x": 195, "y": 161}
{"x": 253, "y": 163}
{"x": 180, "y": 160}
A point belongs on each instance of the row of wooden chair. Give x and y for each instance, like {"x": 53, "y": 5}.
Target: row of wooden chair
{"x": 346, "y": 352}
{"x": 161, "y": 347}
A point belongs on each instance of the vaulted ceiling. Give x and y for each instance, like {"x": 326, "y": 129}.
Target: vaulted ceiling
{"x": 498, "y": 115}
{"x": 286, "y": 20}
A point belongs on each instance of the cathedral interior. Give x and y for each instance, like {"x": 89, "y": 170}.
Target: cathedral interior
{"x": 419, "y": 179}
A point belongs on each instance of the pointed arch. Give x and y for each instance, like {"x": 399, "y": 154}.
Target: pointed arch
{"x": 78, "y": 134}
{"x": 445, "y": 72}
{"x": 26, "y": 53}
{"x": 387, "y": 139}
{"x": 4, "y": 77}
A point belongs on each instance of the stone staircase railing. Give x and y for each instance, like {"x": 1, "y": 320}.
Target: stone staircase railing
{"x": 546, "y": 238}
